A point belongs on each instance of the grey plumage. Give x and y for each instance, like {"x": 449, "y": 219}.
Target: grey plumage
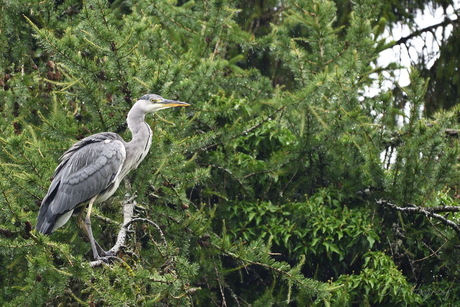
{"x": 88, "y": 168}
{"x": 92, "y": 169}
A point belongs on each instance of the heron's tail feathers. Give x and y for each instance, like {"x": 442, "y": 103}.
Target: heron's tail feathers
{"x": 44, "y": 227}
{"x": 47, "y": 222}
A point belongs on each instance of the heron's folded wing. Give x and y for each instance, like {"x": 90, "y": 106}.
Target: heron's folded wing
{"x": 86, "y": 171}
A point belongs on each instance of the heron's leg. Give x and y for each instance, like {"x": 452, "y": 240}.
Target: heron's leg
{"x": 82, "y": 225}
{"x": 101, "y": 252}
{"x": 94, "y": 244}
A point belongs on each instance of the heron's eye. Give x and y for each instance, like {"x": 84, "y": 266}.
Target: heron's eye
{"x": 155, "y": 100}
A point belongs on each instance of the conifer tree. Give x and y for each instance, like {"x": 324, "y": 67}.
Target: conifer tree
{"x": 284, "y": 183}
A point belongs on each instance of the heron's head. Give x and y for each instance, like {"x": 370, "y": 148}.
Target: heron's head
{"x": 151, "y": 103}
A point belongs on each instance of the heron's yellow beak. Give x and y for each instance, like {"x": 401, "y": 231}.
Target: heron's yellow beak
{"x": 173, "y": 103}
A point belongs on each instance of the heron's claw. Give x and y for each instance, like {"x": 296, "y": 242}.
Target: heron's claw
{"x": 103, "y": 253}
{"x": 108, "y": 259}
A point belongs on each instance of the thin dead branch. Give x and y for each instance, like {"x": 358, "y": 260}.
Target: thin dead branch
{"x": 429, "y": 212}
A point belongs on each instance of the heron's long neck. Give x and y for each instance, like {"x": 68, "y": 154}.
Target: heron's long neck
{"x": 138, "y": 147}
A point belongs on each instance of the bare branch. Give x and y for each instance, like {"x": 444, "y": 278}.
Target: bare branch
{"x": 444, "y": 209}
{"x": 403, "y": 40}
{"x": 151, "y": 223}
{"x": 429, "y": 212}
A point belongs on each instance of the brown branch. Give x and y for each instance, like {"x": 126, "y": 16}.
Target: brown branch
{"x": 429, "y": 212}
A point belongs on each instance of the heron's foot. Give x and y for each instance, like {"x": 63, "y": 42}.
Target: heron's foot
{"x": 129, "y": 197}
{"x": 103, "y": 253}
{"x": 108, "y": 259}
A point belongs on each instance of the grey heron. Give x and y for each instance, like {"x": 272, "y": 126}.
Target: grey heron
{"x": 91, "y": 170}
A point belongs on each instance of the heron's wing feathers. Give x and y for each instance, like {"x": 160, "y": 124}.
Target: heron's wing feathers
{"x": 95, "y": 138}
{"x": 87, "y": 169}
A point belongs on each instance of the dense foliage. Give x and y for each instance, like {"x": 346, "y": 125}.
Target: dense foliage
{"x": 284, "y": 183}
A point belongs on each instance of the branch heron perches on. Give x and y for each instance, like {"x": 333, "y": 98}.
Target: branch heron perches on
{"x": 91, "y": 170}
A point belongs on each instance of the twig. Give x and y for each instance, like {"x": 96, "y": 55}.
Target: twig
{"x": 224, "y": 301}
{"x": 151, "y": 223}
{"x": 433, "y": 253}
{"x": 430, "y": 212}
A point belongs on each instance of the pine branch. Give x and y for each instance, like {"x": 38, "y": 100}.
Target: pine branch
{"x": 245, "y": 132}
{"x": 291, "y": 275}
{"x": 429, "y": 212}
{"x": 173, "y": 20}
